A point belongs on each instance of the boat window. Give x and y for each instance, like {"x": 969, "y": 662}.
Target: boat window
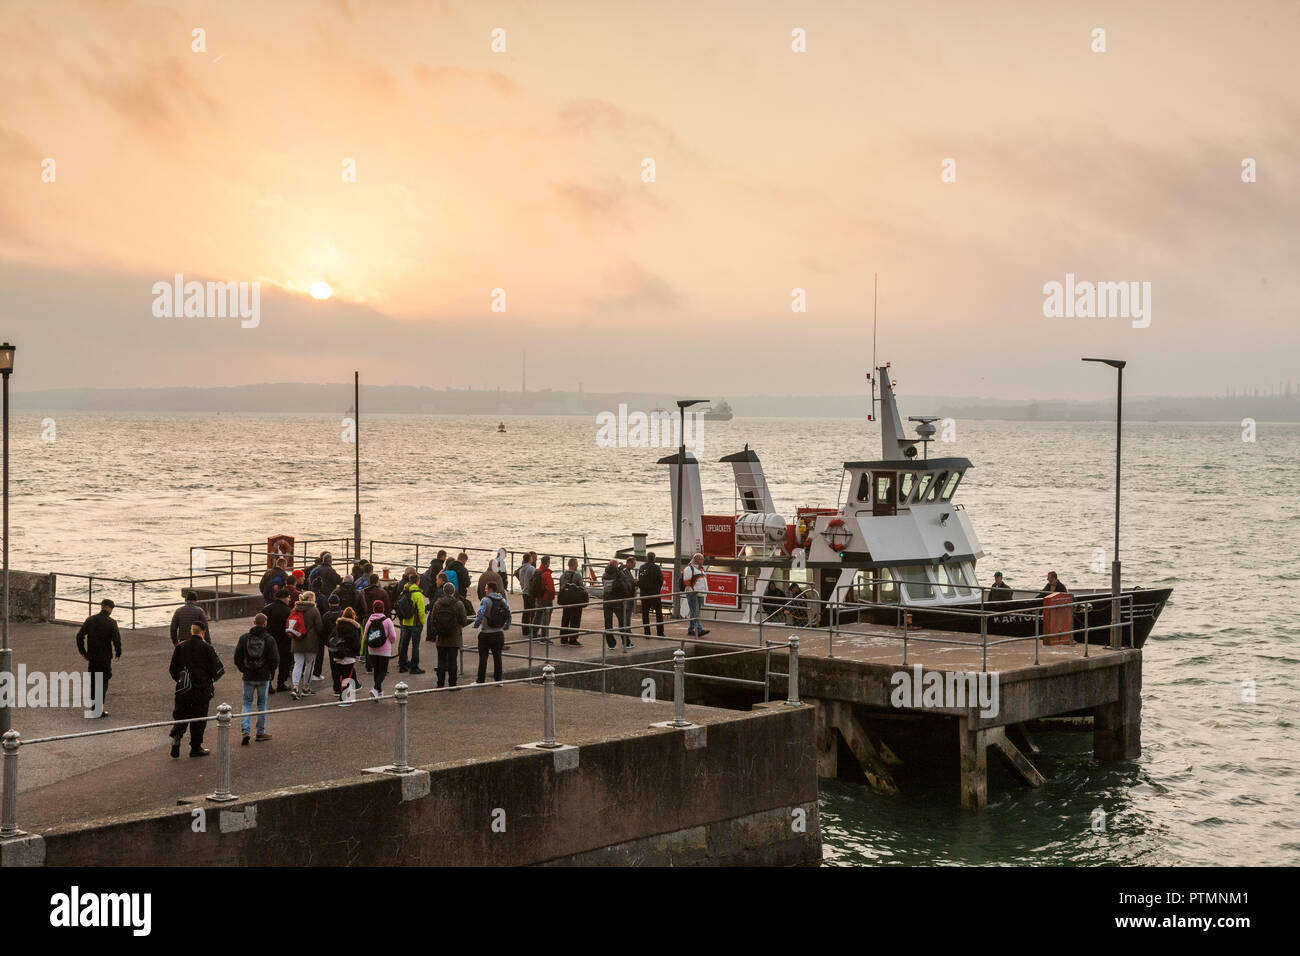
{"x": 883, "y": 484}
{"x": 915, "y": 582}
{"x": 951, "y": 486}
{"x": 864, "y": 487}
{"x": 938, "y": 483}
{"x": 945, "y": 582}
{"x": 962, "y": 577}
{"x": 905, "y": 482}
{"x": 922, "y": 486}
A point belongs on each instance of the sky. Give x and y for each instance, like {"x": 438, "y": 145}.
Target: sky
{"x": 523, "y": 169}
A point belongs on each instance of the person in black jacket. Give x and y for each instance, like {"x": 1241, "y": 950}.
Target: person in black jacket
{"x": 650, "y": 581}
{"x": 462, "y": 573}
{"x": 274, "y": 579}
{"x": 277, "y": 615}
{"x": 100, "y": 643}
{"x": 333, "y": 610}
{"x": 345, "y": 648}
{"x": 1000, "y": 591}
{"x": 189, "y": 613}
{"x": 1054, "y": 586}
{"x": 256, "y": 657}
{"x": 196, "y": 664}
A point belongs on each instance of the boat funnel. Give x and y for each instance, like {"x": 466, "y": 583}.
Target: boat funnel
{"x": 691, "y": 521}
{"x": 751, "y": 483}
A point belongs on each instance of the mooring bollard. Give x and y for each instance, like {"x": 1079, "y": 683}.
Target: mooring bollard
{"x": 399, "y": 762}
{"x": 548, "y": 707}
{"x": 793, "y": 698}
{"x": 679, "y": 689}
{"x": 9, "y": 817}
{"x": 222, "y": 793}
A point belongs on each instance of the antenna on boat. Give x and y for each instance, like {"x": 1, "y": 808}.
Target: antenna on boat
{"x": 875, "y": 283}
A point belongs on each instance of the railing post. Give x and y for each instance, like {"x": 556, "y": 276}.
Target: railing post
{"x": 984, "y": 639}
{"x": 679, "y": 689}
{"x": 1085, "y": 630}
{"x": 133, "y": 605}
{"x": 399, "y": 762}
{"x": 548, "y": 707}
{"x": 9, "y": 816}
{"x": 216, "y": 597}
{"x": 90, "y": 594}
{"x": 222, "y": 793}
{"x": 1037, "y": 637}
{"x": 792, "y": 698}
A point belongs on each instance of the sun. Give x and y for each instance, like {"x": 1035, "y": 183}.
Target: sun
{"x": 320, "y": 290}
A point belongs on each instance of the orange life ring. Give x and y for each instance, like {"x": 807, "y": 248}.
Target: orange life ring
{"x": 836, "y": 530}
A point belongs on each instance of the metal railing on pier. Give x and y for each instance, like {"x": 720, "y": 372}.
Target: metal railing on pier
{"x": 222, "y": 791}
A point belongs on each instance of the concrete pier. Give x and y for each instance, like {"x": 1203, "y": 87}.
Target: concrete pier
{"x": 733, "y": 788}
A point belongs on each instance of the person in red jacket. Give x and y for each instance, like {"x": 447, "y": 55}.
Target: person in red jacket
{"x": 545, "y": 600}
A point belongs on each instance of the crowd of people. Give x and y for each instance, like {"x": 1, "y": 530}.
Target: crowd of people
{"x": 357, "y": 622}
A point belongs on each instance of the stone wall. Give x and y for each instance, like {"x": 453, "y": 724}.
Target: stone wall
{"x": 31, "y": 596}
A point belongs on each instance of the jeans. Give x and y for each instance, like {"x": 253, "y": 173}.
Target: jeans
{"x": 529, "y": 604}
{"x": 647, "y": 606}
{"x": 447, "y": 665}
{"x": 695, "y": 599}
{"x": 613, "y": 610}
{"x": 629, "y": 615}
{"x": 260, "y": 688}
{"x": 542, "y": 619}
{"x": 492, "y": 643}
{"x": 410, "y": 641}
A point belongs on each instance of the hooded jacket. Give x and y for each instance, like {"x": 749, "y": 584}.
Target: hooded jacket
{"x": 348, "y": 645}
{"x": 485, "y": 577}
{"x": 480, "y": 619}
{"x": 449, "y": 603}
{"x": 385, "y": 649}
{"x": 310, "y": 642}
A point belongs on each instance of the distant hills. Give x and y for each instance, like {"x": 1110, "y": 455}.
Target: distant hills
{"x": 406, "y": 399}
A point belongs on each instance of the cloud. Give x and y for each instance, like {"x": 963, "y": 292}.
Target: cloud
{"x": 632, "y": 289}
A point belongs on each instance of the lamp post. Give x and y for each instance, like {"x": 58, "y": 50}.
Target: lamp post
{"x": 6, "y": 655}
{"x": 1118, "y": 365}
{"x": 356, "y": 443}
{"x": 682, "y": 405}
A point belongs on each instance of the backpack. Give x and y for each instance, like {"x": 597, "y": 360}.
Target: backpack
{"x": 571, "y": 590}
{"x": 536, "y": 586}
{"x": 405, "y": 604}
{"x": 613, "y": 586}
{"x": 498, "y": 613}
{"x": 296, "y": 626}
{"x": 254, "y": 651}
{"x": 445, "y": 620}
{"x": 651, "y": 580}
{"x": 273, "y": 586}
{"x": 375, "y": 634}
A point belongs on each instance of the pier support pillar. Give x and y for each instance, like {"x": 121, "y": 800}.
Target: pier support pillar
{"x": 1000, "y": 740}
{"x": 1117, "y": 726}
{"x": 974, "y": 765}
{"x": 872, "y": 754}
{"x": 828, "y": 741}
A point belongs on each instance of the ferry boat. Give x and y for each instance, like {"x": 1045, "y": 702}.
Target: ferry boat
{"x": 896, "y": 545}
{"x": 720, "y": 412}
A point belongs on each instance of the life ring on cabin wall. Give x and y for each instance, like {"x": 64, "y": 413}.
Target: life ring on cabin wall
{"x": 837, "y": 534}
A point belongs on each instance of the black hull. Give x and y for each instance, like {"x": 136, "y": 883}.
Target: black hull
{"x": 1021, "y": 617}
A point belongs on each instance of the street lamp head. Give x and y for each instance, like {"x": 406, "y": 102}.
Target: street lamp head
{"x": 688, "y": 402}
{"x": 1113, "y": 363}
{"x": 7, "y": 358}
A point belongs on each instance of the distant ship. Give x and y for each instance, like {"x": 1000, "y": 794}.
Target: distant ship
{"x": 501, "y": 427}
{"x": 720, "y": 412}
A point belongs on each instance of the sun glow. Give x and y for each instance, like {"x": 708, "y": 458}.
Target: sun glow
{"x": 320, "y": 290}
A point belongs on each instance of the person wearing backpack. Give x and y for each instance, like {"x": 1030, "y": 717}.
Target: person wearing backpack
{"x": 650, "y": 582}
{"x": 330, "y": 613}
{"x": 323, "y": 579}
{"x": 493, "y": 620}
{"x": 277, "y": 616}
{"x": 613, "y": 599}
{"x": 527, "y": 568}
{"x": 572, "y": 597}
{"x": 194, "y": 667}
{"x": 256, "y": 657}
{"x": 307, "y": 631}
{"x": 461, "y": 580}
{"x": 544, "y": 599}
{"x": 628, "y": 573}
{"x": 410, "y": 608}
{"x": 345, "y": 648}
{"x": 489, "y": 574}
{"x": 379, "y": 636}
{"x": 446, "y": 619}
{"x": 274, "y": 579}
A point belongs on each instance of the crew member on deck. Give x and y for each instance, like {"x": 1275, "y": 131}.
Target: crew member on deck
{"x": 1000, "y": 591}
{"x": 1054, "y": 585}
